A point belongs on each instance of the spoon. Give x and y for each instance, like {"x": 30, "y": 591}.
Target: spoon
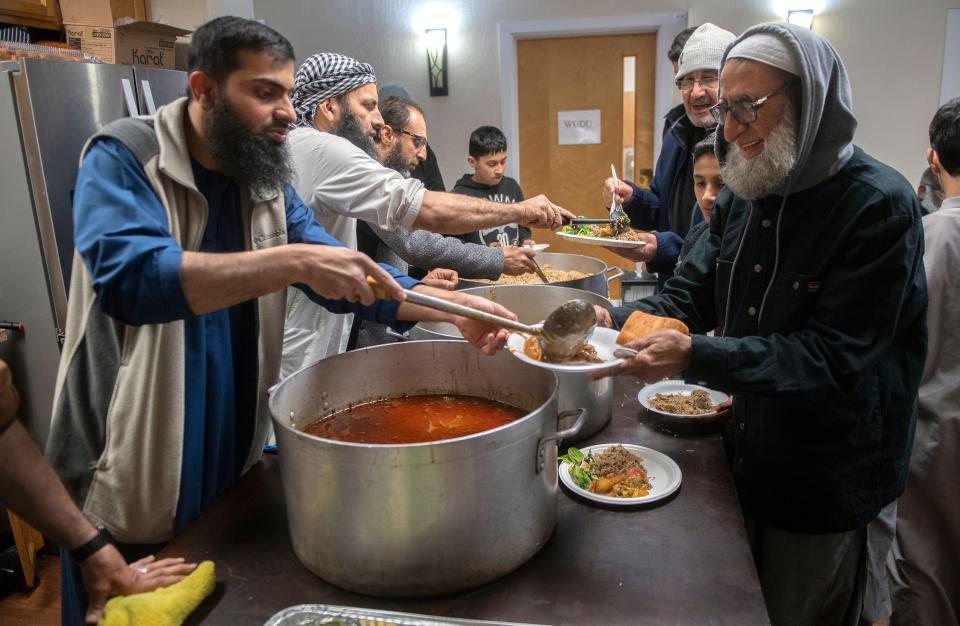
{"x": 562, "y": 335}
{"x": 540, "y": 272}
{"x": 504, "y": 240}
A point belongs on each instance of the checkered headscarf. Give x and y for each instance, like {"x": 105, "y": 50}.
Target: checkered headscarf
{"x": 327, "y": 75}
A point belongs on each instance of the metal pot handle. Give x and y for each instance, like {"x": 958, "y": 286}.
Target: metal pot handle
{"x": 619, "y": 273}
{"x": 398, "y": 336}
{"x": 563, "y": 434}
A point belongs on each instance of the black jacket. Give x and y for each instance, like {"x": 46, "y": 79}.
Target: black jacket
{"x": 824, "y": 315}
{"x": 825, "y": 375}
{"x": 428, "y": 172}
{"x": 669, "y": 204}
{"x": 507, "y": 191}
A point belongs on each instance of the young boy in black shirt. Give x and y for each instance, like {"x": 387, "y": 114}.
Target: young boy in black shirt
{"x": 488, "y": 158}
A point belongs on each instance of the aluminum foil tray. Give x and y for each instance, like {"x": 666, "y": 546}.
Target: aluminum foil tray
{"x": 325, "y": 614}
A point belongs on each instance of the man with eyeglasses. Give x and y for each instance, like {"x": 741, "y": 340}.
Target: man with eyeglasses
{"x": 334, "y": 154}
{"x": 401, "y": 146}
{"x": 812, "y": 273}
{"x": 669, "y": 207}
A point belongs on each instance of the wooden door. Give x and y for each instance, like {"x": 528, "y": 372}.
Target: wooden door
{"x": 582, "y": 73}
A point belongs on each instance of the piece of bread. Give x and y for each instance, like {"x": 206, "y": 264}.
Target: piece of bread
{"x": 640, "y": 324}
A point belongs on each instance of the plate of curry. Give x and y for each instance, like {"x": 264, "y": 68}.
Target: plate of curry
{"x": 596, "y": 354}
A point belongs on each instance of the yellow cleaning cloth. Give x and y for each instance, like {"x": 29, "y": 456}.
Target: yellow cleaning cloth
{"x": 167, "y": 606}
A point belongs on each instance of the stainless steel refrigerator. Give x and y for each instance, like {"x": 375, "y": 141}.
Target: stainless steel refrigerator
{"x": 48, "y": 109}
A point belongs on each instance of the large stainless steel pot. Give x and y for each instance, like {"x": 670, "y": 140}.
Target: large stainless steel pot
{"x": 532, "y": 303}
{"x": 427, "y": 518}
{"x": 596, "y": 281}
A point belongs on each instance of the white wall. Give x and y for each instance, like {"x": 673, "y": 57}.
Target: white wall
{"x": 893, "y": 53}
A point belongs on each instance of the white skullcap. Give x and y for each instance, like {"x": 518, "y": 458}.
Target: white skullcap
{"x": 766, "y": 48}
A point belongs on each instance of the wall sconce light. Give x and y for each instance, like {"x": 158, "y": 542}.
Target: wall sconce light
{"x": 437, "y": 61}
{"x": 802, "y": 17}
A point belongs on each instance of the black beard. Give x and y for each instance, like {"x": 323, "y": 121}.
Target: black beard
{"x": 394, "y": 160}
{"x": 243, "y": 156}
{"x": 349, "y": 128}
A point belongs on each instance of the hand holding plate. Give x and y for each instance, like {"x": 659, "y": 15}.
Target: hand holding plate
{"x": 659, "y": 355}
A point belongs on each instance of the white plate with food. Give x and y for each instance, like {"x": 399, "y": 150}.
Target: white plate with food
{"x": 676, "y": 398}
{"x": 601, "y": 241}
{"x": 659, "y": 475}
{"x": 603, "y": 341}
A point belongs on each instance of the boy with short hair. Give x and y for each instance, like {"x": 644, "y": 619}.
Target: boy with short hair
{"x": 707, "y": 184}
{"x": 488, "y": 158}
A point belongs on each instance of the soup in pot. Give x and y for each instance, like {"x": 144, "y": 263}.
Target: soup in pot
{"x": 415, "y": 419}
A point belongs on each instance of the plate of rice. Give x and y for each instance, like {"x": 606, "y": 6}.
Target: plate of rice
{"x": 675, "y": 398}
{"x": 624, "y": 240}
{"x": 620, "y": 474}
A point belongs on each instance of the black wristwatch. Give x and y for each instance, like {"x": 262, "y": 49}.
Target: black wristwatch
{"x": 102, "y": 538}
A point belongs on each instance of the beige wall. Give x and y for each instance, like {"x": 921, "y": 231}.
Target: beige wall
{"x": 192, "y": 13}
{"x": 893, "y": 54}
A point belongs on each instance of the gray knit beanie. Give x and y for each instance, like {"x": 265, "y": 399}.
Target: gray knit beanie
{"x": 704, "y": 50}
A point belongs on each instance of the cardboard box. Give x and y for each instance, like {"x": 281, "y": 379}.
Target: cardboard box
{"x": 136, "y": 43}
{"x": 101, "y": 12}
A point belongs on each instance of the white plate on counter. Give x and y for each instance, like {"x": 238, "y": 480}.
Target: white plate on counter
{"x": 601, "y": 241}
{"x": 664, "y": 474}
{"x": 678, "y": 386}
{"x": 604, "y": 340}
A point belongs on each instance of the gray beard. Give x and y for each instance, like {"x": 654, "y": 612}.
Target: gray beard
{"x": 929, "y": 203}
{"x": 768, "y": 171}
{"x": 394, "y": 161}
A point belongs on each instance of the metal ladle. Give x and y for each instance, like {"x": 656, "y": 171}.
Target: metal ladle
{"x": 562, "y": 335}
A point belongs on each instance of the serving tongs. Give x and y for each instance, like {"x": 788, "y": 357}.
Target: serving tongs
{"x": 618, "y": 220}
{"x": 562, "y": 335}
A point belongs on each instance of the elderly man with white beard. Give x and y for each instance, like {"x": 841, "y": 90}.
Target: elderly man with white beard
{"x": 812, "y": 276}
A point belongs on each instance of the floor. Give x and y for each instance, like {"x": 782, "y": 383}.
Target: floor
{"x": 41, "y": 606}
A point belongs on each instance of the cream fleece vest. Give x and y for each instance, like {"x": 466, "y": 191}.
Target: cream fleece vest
{"x": 135, "y": 482}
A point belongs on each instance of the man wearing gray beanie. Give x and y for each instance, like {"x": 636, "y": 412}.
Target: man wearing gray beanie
{"x": 812, "y": 276}
{"x": 669, "y": 207}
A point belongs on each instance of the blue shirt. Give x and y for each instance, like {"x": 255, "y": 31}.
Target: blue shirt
{"x": 122, "y": 235}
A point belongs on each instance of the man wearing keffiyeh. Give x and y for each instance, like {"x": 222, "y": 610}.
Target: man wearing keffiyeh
{"x": 340, "y": 178}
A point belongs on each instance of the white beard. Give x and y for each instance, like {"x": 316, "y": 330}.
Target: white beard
{"x": 765, "y": 173}
{"x": 928, "y": 203}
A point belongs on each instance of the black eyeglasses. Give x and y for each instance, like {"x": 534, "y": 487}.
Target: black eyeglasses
{"x": 419, "y": 141}
{"x": 707, "y": 82}
{"x": 744, "y": 111}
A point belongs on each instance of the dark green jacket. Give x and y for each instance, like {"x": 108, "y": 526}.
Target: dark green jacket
{"x": 825, "y": 374}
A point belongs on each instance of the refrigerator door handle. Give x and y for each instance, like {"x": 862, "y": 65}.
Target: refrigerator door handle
{"x": 129, "y": 97}
{"x": 148, "y": 97}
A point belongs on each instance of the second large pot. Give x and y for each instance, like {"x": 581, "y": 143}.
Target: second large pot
{"x": 422, "y": 518}
{"x": 598, "y": 275}
{"x": 532, "y": 303}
